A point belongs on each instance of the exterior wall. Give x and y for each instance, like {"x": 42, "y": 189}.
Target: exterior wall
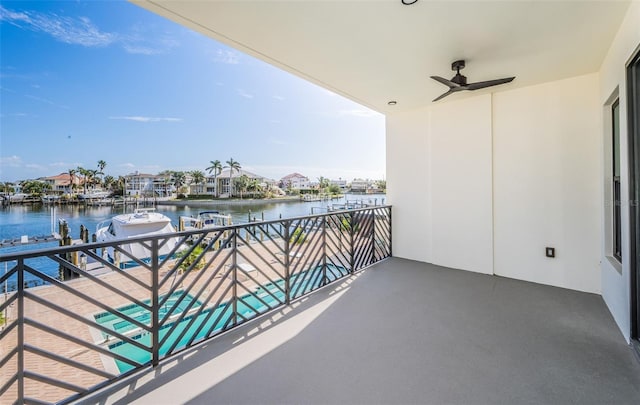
{"x": 547, "y": 183}
{"x": 459, "y": 154}
{"x": 541, "y": 147}
{"x": 408, "y": 185}
{"x": 615, "y": 279}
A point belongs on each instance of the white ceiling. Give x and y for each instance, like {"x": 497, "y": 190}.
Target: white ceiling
{"x": 373, "y": 51}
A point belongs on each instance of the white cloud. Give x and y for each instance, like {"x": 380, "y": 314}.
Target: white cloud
{"x": 65, "y": 165}
{"x": 141, "y": 50}
{"x": 244, "y": 94}
{"x": 77, "y": 31}
{"x": 11, "y": 161}
{"x": 279, "y": 98}
{"x": 46, "y": 101}
{"x": 226, "y": 56}
{"x": 141, "y": 42}
{"x": 34, "y": 166}
{"x": 146, "y": 119}
{"x": 82, "y": 31}
{"x": 357, "y": 113}
{"x": 127, "y": 165}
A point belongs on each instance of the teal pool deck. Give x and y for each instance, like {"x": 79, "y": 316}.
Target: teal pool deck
{"x": 209, "y": 320}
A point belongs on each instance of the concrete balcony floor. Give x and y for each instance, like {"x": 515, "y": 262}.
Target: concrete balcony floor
{"x": 408, "y": 332}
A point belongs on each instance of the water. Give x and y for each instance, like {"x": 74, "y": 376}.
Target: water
{"x": 35, "y": 220}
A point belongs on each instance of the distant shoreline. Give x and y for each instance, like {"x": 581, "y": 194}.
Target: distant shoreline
{"x": 235, "y": 201}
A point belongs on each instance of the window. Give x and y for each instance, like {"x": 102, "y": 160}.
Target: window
{"x": 615, "y": 130}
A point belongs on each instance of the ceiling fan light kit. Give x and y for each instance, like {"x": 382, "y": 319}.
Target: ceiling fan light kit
{"x": 459, "y": 82}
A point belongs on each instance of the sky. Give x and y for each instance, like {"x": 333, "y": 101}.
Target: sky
{"x": 82, "y": 81}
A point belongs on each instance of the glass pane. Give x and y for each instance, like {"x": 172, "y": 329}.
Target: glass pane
{"x": 616, "y": 138}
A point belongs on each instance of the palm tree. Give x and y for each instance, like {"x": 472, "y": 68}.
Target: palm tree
{"x": 242, "y": 183}
{"x": 85, "y": 177}
{"x": 92, "y": 178}
{"x": 72, "y": 178}
{"x": 198, "y": 178}
{"x": 178, "y": 179}
{"x": 7, "y": 187}
{"x": 121, "y": 184}
{"x": 216, "y": 168}
{"x": 323, "y": 182}
{"x": 254, "y": 186}
{"x": 101, "y": 165}
{"x": 109, "y": 182}
{"x": 232, "y": 165}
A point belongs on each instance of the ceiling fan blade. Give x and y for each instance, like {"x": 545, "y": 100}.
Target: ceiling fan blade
{"x": 446, "y": 82}
{"x": 442, "y": 96}
{"x": 488, "y": 83}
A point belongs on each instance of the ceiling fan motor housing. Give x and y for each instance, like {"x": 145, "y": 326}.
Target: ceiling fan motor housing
{"x": 458, "y": 78}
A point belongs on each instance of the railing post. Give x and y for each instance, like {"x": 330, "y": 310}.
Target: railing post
{"x": 155, "y": 314}
{"x": 390, "y": 233}
{"x": 234, "y": 274}
{"x": 287, "y": 263}
{"x": 324, "y": 250}
{"x": 352, "y": 247}
{"x": 20, "y": 331}
{"x": 373, "y": 236}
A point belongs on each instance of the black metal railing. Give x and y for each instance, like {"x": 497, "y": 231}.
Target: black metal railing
{"x": 116, "y": 313}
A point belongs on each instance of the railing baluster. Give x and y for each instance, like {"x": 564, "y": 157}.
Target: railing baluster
{"x": 352, "y": 248}
{"x": 287, "y": 263}
{"x": 324, "y": 251}
{"x": 155, "y": 304}
{"x": 21, "y": 288}
{"x": 234, "y": 273}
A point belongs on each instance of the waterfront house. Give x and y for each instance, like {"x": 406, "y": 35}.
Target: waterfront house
{"x": 148, "y": 185}
{"x": 61, "y": 184}
{"x": 360, "y": 186}
{"x": 294, "y": 181}
{"x": 223, "y": 181}
{"x": 340, "y": 183}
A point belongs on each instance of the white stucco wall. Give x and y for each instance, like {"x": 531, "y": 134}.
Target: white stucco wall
{"x": 540, "y": 145}
{"x": 615, "y": 282}
{"x": 408, "y": 184}
{"x": 440, "y": 184}
{"x": 459, "y": 155}
{"x": 547, "y": 183}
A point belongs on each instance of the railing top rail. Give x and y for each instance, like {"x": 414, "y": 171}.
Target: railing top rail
{"x": 84, "y": 246}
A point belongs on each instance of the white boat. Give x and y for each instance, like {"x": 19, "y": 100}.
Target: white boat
{"x": 94, "y": 195}
{"x": 18, "y": 197}
{"x": 50, "y": 199}
{"x": 205, "y": 220}
{"x": 143, "y": 222}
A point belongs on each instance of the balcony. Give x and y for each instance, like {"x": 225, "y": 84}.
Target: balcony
{"x": 408, "y": 332}
{"x": 82, "y": 317}
{"x": 383, "y": 331}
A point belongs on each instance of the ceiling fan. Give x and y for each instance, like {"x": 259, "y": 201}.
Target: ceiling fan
{"x": 459, "y": 82}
